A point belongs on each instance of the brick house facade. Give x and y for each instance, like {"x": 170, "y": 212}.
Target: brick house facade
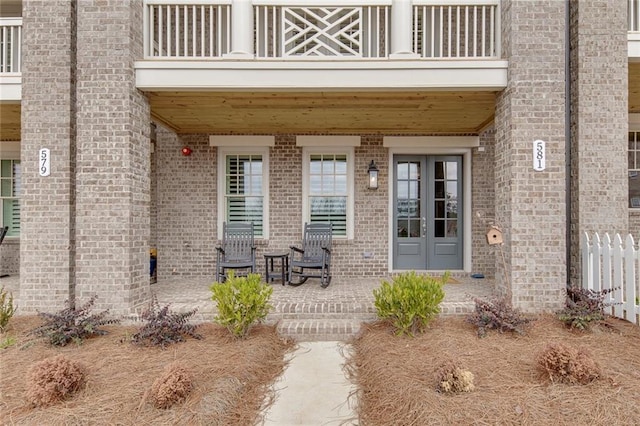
{"x": 120, "y": 186}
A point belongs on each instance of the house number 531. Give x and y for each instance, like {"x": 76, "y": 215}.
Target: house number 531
{"x": 44, "y": 162}
{"x": 538, "y": 156}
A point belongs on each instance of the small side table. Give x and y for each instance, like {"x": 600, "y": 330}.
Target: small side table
{"x": 271, "y": 273}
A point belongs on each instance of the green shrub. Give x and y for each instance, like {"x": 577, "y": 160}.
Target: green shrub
{"x": 496, "y": 314}
{"x": 164, "y": 327}
{"x": 410, "y": 301}
{"x": 72, "y": 325}
{"x": 242, "y": 301}
{"x": 584, "y": 307}
{"x": 7, "y": 342}
{"x": 6, "y": 308}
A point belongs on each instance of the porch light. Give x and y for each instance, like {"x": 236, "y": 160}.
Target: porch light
{"x": 186, "y": 151}
{"x": 373, "y": 175}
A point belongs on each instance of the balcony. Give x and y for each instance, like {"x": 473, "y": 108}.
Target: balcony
{"x": 10, "y": 51}
{"x": 321, "y": 44}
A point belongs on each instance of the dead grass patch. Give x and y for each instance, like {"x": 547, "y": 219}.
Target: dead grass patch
{"x": 231, "y": 378}
{"x": 397, "y": 376}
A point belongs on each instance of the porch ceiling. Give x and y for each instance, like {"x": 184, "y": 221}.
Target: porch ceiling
{"x": 324, "y": 112}
{"x": 634, "y": 87}
{"x": 9, "y": 121}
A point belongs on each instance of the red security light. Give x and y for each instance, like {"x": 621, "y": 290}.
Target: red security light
{"x": 186, "y": 151}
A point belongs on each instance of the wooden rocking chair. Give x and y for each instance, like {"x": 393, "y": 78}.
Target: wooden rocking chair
{"x": 237, "y": 250}
{"x": 315, "y": 254}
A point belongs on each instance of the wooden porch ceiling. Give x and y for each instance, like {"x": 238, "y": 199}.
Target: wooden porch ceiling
{"x": 9, "y": 122}
{"x": 634, "y": 87}
{"x": 324, "y": 112}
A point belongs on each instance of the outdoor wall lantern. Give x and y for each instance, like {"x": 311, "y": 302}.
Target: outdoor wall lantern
{"x": 186, "y": 151}
{"x": 373, "y": 175}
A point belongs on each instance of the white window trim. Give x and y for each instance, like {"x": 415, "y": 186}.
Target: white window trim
{"x": 223, "y": 151}
{"x": 466, "y": 185}
{"x": 634, "y": 127}
{"x": 9, "y": 151}
{"x": 307, "y": 151}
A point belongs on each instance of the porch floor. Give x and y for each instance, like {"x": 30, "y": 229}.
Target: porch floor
{"x": 307, "y": 312}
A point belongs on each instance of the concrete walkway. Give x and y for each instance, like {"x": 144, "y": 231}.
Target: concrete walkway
{"x": 313, "y": 390}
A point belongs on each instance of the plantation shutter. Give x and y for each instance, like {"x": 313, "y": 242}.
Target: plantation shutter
{"x": 244, "y": 195}
{"x": 9, "y": 195}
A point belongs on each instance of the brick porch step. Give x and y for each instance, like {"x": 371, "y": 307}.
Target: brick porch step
{"x": 336, "y": 322}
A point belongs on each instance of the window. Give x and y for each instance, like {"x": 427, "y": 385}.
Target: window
{"x": 328, "y": 188}
{"x": 634, "y": 169}
{"x": 244, "y": 178}
{"x": 10, "y": 195}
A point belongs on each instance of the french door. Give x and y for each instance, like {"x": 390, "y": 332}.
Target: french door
{"x": 427, "y": 212}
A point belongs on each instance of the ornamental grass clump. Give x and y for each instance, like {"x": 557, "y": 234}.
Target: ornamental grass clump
{"x": 242, "y": 302}
{"x": 72, "y": 325}
{"x": 566, "y": 364}
{"x": 410, "y": 302}
{"x": 54, "y": 379}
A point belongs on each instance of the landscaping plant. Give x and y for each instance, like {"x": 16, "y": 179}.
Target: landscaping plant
{"x": 72, "y": 325}
{"x": 241, "y": 301}
{"x": 410, "y": 302}
{"x": 164, "y": 327}
{"x": 6, "y": 308}
{"x": 497, "y": 314}
{"x": 565, "y": 364}
{"x": 54, "y": 379}
{"x": 584, "y": 307}
{"x": 173, "y": 386}
{"x": 454, "y": 378}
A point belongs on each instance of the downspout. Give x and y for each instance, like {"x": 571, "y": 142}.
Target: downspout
{"x": 567, "y": 138}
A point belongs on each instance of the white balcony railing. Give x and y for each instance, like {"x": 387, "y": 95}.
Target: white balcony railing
{"x": 461, "y": 29}
{"x": 194, "y": 29}
{"x": 633, "y": 15}
{"x": 10, "y": 45}
{"x": 322, "y": 29}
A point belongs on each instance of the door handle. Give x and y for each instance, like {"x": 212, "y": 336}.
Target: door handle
{"x": 424, "y": 226}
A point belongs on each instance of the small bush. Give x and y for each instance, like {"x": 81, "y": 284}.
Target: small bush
{"x": 453, "y": 378}
{"x": 584, "y": 307}
{"x": 565, "y": 364}
{"x": 242, "y": 301}
{"x": 164, "y": 327}
{"x": 54, "y": 379}
{"x": 173, "y": 386}
{"x": 497, "y": 314}
{"x": 410, "y": 302}
{"x": 72, "y": 325}
{"x": 7, "y": 342}
{"x": 6, "y": 308}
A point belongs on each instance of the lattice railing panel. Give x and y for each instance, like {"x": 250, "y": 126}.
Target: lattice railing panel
{"x": 349, "y": 32}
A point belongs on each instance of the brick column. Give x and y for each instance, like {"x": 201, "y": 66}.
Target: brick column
{"x": 599, "y": 121}
{"x": 48, "y": 107}
{"x": 113, "y": 158}
{"x": 530, "y": 205}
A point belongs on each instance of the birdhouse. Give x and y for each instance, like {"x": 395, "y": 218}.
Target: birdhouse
{"x": 494, "y": 236}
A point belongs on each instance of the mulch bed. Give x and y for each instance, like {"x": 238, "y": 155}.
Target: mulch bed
{"x": 231, "y": 385}
{"x": 396, "y": 376}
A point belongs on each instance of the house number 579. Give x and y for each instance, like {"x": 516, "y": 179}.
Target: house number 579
{"x": 539, "y": 156}
{"x": 44, "y": 162}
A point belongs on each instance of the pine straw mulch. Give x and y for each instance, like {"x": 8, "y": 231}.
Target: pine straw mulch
{"x": 232, "y": 377}
{"x": 396, "y": 376}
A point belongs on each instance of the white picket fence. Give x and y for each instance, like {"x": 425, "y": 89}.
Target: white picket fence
{"x": 611, "y": 263}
